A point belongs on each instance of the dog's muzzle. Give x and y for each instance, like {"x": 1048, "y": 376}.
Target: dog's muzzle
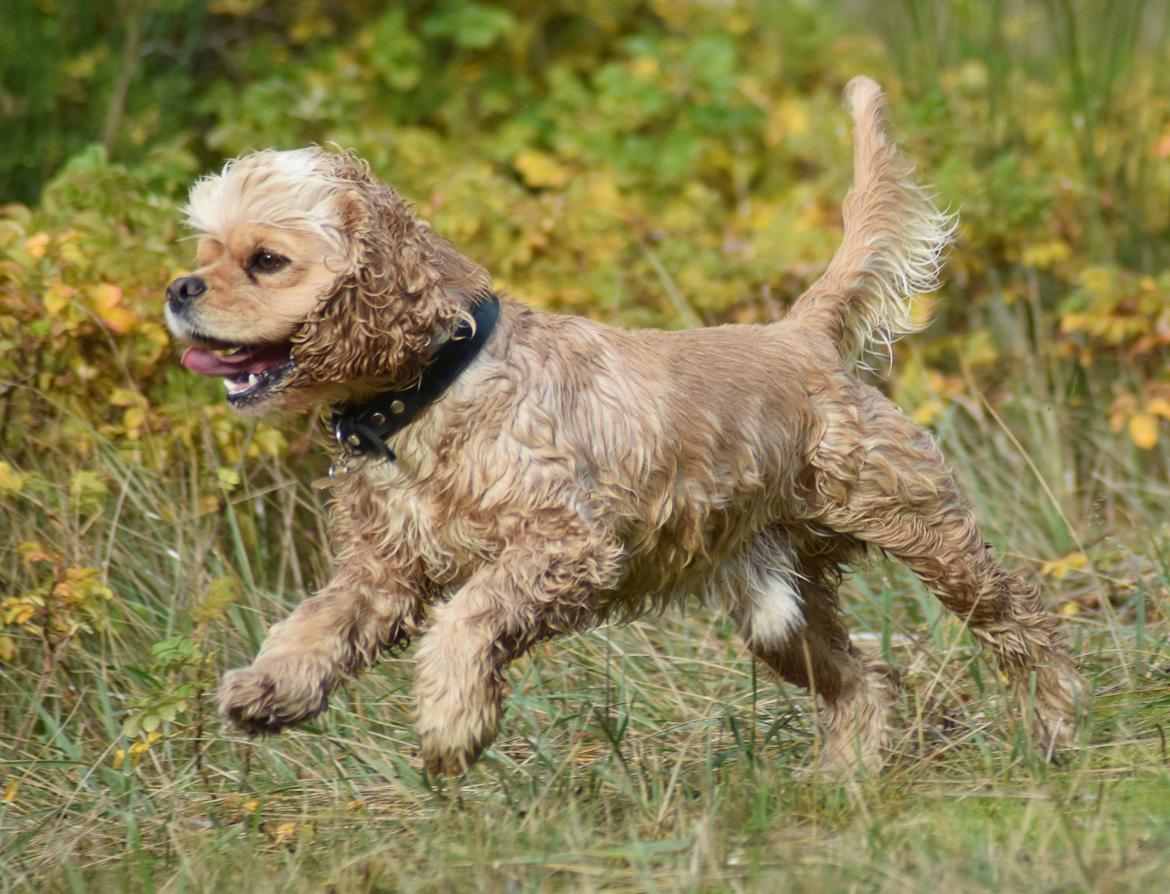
{"x": 183, "y": 291}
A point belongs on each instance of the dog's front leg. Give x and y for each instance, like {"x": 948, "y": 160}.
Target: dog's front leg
{"x": 334, "y": 635}
{"x": 530, "y": 593}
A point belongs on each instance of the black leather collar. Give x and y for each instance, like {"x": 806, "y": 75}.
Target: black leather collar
{"x": 364, "y": 428}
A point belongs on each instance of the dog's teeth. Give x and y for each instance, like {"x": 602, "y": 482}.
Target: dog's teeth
{"x": 235, "y": 386}
{"x": 252, "y": 380}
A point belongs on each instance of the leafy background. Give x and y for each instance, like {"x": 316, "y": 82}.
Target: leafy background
{"x": 645, "y": 162}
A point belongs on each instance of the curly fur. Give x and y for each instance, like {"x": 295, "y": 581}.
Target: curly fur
{"x": 577, "y": 472}
{"x": 894, "y": 241}
{"x": 404, "y": 286}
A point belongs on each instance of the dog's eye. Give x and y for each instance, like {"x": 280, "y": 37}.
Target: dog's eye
{"x": 266, "y": 261}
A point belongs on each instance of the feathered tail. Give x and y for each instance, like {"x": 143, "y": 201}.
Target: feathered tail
{"x": 893, "y": 244}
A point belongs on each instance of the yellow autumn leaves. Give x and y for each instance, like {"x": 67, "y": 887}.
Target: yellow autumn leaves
{"x": 64, "y": 600}
{"x": 541, "y": 170}
{"x": 11, "y": 480}
{"x": 1142, "y": 418}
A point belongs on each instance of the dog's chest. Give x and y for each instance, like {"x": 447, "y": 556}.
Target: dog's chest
{"x": 420, "y": 522}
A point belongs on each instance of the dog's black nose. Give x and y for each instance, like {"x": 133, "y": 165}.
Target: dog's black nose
{"x": 183, "y": 291}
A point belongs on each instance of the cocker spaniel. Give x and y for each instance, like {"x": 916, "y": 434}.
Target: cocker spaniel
{"x": 504, "y": 475}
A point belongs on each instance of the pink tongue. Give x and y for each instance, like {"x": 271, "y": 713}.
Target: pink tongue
{"x": 242, "y": 362}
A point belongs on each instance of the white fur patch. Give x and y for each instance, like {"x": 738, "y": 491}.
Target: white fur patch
{"x": 775, "y": 611}
{"x": 288, "y": 190}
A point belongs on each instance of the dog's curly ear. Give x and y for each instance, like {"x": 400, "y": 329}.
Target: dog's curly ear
{"x": 405, "y": 285}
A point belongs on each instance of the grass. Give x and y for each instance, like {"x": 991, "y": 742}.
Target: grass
{"x": 655, "y": 756}
{"x": 651, "y": 757}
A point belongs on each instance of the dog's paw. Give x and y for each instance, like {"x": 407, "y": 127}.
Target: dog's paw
{"x": 261, "y": 702}
{"x": 1058, "y": 712}
{"x": 451, "y": 742}
{"x": 447, "y": 761}
{"x": 1054, "y": 732}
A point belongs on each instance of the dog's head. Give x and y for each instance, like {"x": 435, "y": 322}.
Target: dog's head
{"x": 315, "y": 282}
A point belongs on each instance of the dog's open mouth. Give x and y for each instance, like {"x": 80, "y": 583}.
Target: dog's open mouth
{"x": 249, "y": 372}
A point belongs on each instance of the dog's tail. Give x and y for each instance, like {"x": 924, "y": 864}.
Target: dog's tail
{"x": 894, "y": 241}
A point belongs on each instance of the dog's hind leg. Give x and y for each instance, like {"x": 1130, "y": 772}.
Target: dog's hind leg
{"x": 789, "y": 617}
{"x": 885, "y": 483}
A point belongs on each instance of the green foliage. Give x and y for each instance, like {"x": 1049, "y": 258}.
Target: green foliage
{"x": 646, "y": 162}
{"x": 168, "y": 694}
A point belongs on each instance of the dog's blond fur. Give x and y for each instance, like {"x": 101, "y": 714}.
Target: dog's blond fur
{"x": 577, "y": 473}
